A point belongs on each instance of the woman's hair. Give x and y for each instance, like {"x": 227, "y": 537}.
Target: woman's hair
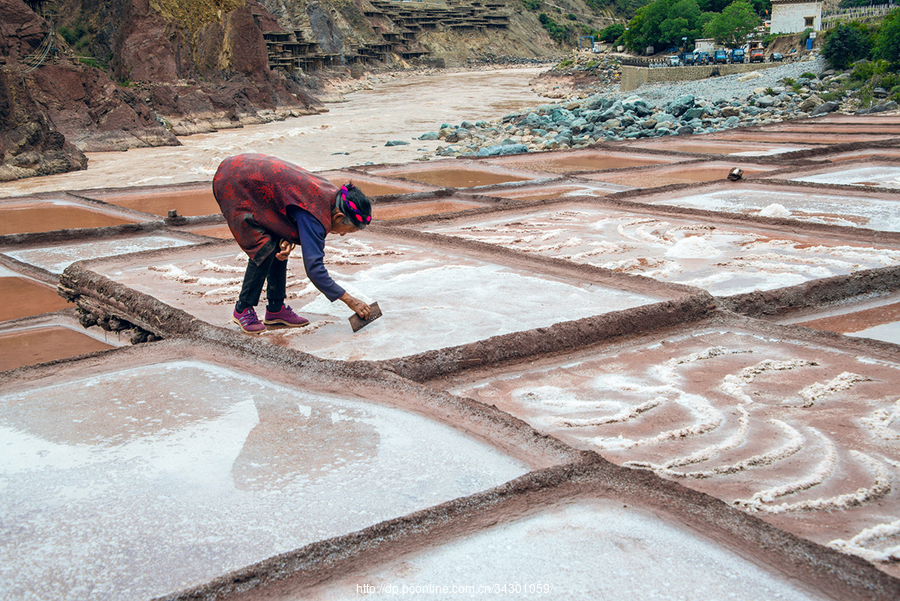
{"x": 354, "y": 205}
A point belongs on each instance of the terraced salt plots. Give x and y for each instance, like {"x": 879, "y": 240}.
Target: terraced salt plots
{"x": 580, "y": 161}
{"x": 707, "y": 145}
{"x": 874, "y": 316}
{"x": 188, "y": 200}
{"x": 857, "y": 154}
{"x": 372, "y": 185}
{"x": 45, "y": 215}
{"x": 871, "y": 210}
{"x": 55, "y": 259}
{"x": 635, "y": 550}
{"x": 48, "y": 339}
{"x": 796, "y": 428}
{"x": 145, "y": 476}
{"x": 882, "y": 176}
{"x": 432, "y": 297}
{"x": 552, "y": 192}
{"x": 805, "y": 138}
{"x": 455, "y": 174}
{"x": 25, "y": 296}
{"x": 652, "y": 177}
{"x": 720, "y": 257}
{"x": 405, "y": 210}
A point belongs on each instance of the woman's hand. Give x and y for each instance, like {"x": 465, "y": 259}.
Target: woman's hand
{"x": 357, "y": 306}
{"x": 285, "y": 252}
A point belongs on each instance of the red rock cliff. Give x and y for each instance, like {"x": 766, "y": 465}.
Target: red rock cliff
{"x": 175, "y": 67}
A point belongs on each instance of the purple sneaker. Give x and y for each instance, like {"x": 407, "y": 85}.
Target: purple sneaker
{"x": 285, "y": 317}
{"x": 248, "y": 321}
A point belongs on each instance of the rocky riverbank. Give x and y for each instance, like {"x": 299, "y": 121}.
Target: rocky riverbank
{"x": 791, "y": 91}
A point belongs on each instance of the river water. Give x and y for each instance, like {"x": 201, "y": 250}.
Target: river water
{"x": 353, "y": 132}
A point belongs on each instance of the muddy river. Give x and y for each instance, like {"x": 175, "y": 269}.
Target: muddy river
{"x": 353, "y": 132}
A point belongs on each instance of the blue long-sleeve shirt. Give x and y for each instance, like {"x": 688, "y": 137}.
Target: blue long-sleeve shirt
{"x": 312, "y": 246}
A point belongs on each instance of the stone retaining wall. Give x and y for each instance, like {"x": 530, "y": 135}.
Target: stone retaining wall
{"x": 635, "y": 77}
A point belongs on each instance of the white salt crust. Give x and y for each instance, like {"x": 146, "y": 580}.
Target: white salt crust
{"x": 586, "y": 550}
{"x": 595, "y": 403}
{"x": 811, "y": 205}
{"x": 722, "y": 259}
{"x": 55, "y": 259}
{"x": 144, "y": 481}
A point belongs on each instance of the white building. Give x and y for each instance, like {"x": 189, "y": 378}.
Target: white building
{"x": 705, "y": 45}
{"x": 794, "y": 16}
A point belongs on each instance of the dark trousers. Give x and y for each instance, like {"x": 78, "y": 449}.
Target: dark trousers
{"x": 275, "y": 272}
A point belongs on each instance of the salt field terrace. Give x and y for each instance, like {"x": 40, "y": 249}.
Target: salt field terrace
{"x": 784, "y": 200}
{"x": 599, "y": 355}
{"x": 411, "y": 277}
{"x": 721, "y": 256}
{"x": 786, "y": 424}
{"x": 45, "y": 214}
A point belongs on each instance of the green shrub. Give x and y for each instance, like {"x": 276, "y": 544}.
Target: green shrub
{"x": 77, "y": 36}
{"x": 871, "y": 71}
{"x": 572, "y": 17}
{"x": 90, "y": 61}
{"x": 611, "y": 33}
{"x": 863, "y": 71}
{"x": 889, "y": 80}
{"x": 534, "y": 5}
{"x": 887, "y": 39}
{"x": 846, "y": 44}
{"x": 808, "y": 75}
{"x": 558, "y": 33}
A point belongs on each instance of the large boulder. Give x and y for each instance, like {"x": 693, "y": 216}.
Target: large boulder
{"x": 680, "y": 105}
{"x": 21, "y": 30}
{"x": 613, "y": 112}
{"x": 501, "y": 149}
{"x": 29, "y": 144}
{"x": 731, "y": 111}
{"x": 824, "y": 108}
{"x": 810, "y": 103}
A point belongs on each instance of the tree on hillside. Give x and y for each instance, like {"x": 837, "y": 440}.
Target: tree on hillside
{"x": 663, "y": 23}
{"x": 887, "y": 40}
{"x": 732, "y": 26}
{"x": 681, "y": 22}
{"x": 612, "y": 33}
{"x": 846, "y": 43}
{"x": 760, "y": 7}
{"x": 625, "y": 8}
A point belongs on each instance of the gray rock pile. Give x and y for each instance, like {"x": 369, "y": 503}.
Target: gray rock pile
{"x": 612, "y": 116}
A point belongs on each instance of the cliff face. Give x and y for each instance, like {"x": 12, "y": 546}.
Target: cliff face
{"x": 29, "y": 144}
